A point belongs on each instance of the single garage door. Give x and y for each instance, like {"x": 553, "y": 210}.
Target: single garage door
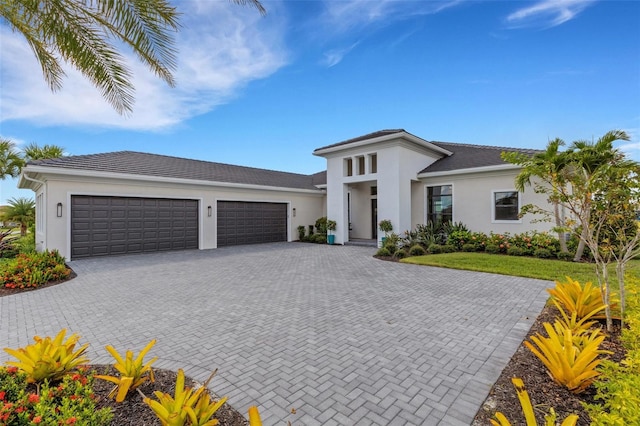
{"x": 242, "y": 222}
{"x": 104, "y": 226}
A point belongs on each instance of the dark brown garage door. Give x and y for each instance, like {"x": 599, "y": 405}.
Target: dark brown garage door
{"x": 251, "y": 223}
{"x": 104, "y": 226}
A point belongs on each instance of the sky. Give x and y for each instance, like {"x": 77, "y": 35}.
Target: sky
{"x": 265, "y": 91}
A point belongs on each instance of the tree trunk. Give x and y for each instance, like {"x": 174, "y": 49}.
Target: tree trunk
{"x": 23, "y": 229}
{"x": 563, "y": 242}
{"x": 620, "y": 267}
{"x": 581, "y": 245}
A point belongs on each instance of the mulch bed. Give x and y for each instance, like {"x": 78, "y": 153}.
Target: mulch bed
{"x": 543, "y": 391}
{"x": 134, "y": 412}
{"x": 9, "y": 291}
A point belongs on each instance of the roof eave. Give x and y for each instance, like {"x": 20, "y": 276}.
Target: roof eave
{"x": 384, "y": 138}
{"x": 494, "y": 168}
{"x": 161, "y": 179}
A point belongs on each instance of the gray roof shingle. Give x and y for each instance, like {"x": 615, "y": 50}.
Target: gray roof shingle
{"x": 140, "y": 163}
{"x": 467, "y": 156}
{"x": 373, "y": 135}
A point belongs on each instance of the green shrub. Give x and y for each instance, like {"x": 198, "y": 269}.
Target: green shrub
{"x": 310, "y": 232}
{"x": 544, "y": 240}
{"x": 391, "y": 242}
{"x": 448, "y": 248}
{"x": 383, "y": 252}
{"x": 492, "y": 249}
{"x": 301, "y": 232}
{"x": 433, "y": 233}
{"x": 417, "y": 250}
{"x": 479, "y": 240}
{"x": 567, "y": 257}
{"x": 458, "y": 238}
{"x": 400, "y": 254}
{"x": 321, "y": 225}
{"x": 55, "y": 403}
{"x": 435, "y": 248}
{"x": 7, "y": 244}
{"x": 618, "y": 385}
{"x": 33, "y": 270}
{"x": 543, "y": 253}
{"x": 469, "y": 247}
{"x": 501, "y": 241}
{"x": 515, "y": 251}
{"x": 320, "y": 239}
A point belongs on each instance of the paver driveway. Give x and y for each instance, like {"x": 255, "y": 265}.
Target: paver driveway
{"x": 330, "y": 331}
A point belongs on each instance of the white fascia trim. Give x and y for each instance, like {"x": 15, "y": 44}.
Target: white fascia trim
{"x": 469, "y": 170}
{"x": 24, "y": 178}
{"x": 161, "y": 179}
{"x": 403, "y": 135}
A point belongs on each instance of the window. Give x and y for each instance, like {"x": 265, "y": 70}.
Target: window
{"x": 360, "y": 165}
{"x": 506, "y": 205}
{"x": 348, "y": 167}
{"x": 373, "y": 163}
{"x": 440, "y": 203}
{"x": 374, "y": 190}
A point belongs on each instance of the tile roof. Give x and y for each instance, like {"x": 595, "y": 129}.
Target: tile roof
{"x": 140, "y": 163}
{"x": 364, "y": 137}
{"x": 467, "y": 156}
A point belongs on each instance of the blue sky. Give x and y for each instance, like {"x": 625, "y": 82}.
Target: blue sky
{"x": 266, "y": 91}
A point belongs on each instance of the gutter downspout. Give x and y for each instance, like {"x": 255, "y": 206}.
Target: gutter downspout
{"x": 43, "y": 244}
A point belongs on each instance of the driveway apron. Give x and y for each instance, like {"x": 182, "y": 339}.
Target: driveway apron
{"x": 312, "y": 334}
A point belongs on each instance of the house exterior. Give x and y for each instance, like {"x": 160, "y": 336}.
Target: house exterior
{"x": 131, "y": 202}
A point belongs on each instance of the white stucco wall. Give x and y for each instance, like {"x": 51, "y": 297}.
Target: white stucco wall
{"x": 473, "y": 201}
{"x": 398, "y": 162}
{"x": 309, "y": 206}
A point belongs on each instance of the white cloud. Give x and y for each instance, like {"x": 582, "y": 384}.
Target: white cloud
{"x": 547, "y": 13}
{"x": 333, "y": 57}
{"x": 222, "y": 47}
{"x": 356, "y": 18}
{"x": 349, "y": 15}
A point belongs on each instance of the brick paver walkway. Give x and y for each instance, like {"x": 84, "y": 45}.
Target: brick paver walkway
{"x": 331, "y": 332}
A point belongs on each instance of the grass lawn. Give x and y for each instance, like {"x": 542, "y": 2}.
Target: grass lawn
{"x": 529, "y": 267}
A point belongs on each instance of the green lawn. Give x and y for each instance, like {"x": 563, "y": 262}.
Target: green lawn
{"x": 517, "y": 266}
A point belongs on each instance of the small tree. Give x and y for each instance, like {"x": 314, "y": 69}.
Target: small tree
{"x": 549, "y": 167}
{"x": 598, "y": 187}
{"x": 331, "y": 225}
{"x": 21, "y": 210}
{"x": 385, "y": 226}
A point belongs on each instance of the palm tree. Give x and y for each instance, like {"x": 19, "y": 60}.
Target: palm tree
{"x": 10, "y": 160}
{"x": 588, "y": 159}
{"x": 549, "y": 166}
{"x": 21, "y": 210}
{"x": 35, "y": 152}
{"x": 85, "y": 33}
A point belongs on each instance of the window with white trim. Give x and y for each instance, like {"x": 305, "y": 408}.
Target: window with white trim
{"x": 506, "y": 205}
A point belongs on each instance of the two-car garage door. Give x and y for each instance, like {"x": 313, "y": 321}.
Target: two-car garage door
{"x": 241, "y": 222}
{"x": 103, "y": 226}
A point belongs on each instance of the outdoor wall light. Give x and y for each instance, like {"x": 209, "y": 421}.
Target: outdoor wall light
{"x": 294, "y": 212}
{"x": 209, "y": 211}
{"x": 59, "y": 210}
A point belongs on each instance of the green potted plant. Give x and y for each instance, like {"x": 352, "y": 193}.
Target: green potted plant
{"x": 331, "y": 226}
{"x": 385, "y": 226}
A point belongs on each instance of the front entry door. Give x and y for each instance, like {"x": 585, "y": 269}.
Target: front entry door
{"x": 374, "y": 218}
